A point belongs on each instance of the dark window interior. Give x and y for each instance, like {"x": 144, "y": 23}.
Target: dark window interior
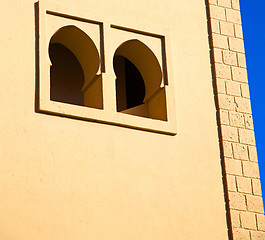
{"x": 130, "y": 87}
{"x": 66, "y": 76}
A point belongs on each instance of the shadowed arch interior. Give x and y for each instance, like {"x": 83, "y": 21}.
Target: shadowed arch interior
{"x": 138, "y": 81}
{"x": 66, "y": 76}
{"x": 75, "y": 59}
{"x": 130, "y": 82}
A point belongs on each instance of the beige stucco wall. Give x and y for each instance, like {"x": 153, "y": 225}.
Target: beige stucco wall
{"x": 62, "y": 178}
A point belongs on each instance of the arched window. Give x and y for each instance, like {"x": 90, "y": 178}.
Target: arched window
{"x": 138, "y": 81}
{"x": 75, "y": 63}
{"x": 94, "y": 70}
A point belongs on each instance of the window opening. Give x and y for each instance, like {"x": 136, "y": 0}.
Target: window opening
{"x": 138, "y": 81}
{"x": 66, "y": 76}
{"x": 130, "y": 82}
{"x": 73, "y": 73}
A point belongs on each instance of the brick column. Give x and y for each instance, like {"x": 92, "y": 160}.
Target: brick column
{"x": 244, "y": 200}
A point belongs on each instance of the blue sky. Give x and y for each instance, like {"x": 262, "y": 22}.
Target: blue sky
{"x": 253, "y": 21}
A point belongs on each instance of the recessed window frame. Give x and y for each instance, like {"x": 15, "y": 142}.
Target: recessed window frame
{"x": 107, "y": 36}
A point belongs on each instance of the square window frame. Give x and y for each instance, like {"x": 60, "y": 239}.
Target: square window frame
{"x": 106, "y": 27}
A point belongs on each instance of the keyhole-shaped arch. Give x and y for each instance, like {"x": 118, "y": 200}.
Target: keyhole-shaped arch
{"x": 76, "y": 57}
{"x": 136, "y": 65}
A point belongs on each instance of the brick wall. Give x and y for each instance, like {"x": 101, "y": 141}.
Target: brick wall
{"x": 236, "y": 127}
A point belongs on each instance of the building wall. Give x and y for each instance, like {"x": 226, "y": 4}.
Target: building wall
{"x": 65, "y": 178}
